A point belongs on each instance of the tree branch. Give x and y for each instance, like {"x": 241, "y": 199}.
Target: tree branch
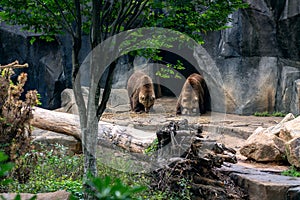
{"x": 107, "y": 90}
{"x": 114, "y": 24}
{"x": 63, "y": 15}
{"x": 14, "y": 64}
{"x": 69, "y": 29}
{"x": 136, "y": 15}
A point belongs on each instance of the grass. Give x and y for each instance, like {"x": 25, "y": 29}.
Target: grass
{"x": 292, "y": 171}
{"x": 267, "y": 114}
{"x": 52, "y": 170}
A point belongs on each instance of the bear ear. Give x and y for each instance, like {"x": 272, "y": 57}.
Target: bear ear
{"x": 143, "y": 97}
{"x": 152, "y": 97}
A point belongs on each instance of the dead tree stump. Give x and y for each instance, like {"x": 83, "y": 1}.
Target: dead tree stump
{"x": 193, "y": 160}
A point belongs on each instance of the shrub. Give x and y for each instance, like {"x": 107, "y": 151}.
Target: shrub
{"x": 15, "y": 115}
{"x": 106, "y": 188}
{"x": 51, "y": 170}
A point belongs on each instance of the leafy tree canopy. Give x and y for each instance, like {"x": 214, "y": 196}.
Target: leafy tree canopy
{"x": 51, "y": 17}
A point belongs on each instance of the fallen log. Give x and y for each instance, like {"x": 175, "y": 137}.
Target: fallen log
{"x": 59, "y": 122}
{"x": 127, "y": 138}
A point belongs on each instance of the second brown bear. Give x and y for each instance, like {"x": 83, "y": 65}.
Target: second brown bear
{"x": 194, "y": 97}
{"x": 141, "y": 92}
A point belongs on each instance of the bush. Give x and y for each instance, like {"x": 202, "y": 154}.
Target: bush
{"x": 15, "y": 116}
{"x": 51, "y": 170}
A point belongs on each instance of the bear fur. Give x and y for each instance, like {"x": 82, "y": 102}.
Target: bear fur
{"x": 141, "y": 92}
{"x": 194, "y": 97}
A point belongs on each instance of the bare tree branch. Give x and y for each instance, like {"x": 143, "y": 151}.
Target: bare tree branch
{"x": 14, "y": 64}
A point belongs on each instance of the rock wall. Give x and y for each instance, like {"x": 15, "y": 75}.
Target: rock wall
{"x": 50, "y": 63}
{"x": 46, "y": 61}
{"x": 258, "y": 58}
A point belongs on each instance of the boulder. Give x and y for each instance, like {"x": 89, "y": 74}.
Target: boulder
{"x": 261, "y": 147}
{"x": 263, "y": 185}
{"x": 58, "y": 195}
{"x": 118, "y": 101}
{"x": 47, "y": 139}
{"x": 275, "y": 143}
{"x": 293, "y": 151}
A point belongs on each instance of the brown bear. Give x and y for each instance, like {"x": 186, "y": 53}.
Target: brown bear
{"x": 141, "y": 92}
{"x": 194, "y": 97}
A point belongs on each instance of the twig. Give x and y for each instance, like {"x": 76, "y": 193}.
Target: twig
{"x": 14, "y": 64}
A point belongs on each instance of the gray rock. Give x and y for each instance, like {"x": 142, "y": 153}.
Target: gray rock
{"x": 295, "y": 102}
{"x": 293, "y": 152}
{"x": 46, "y": 73}
{"x": 58, "y": 195}
{"x": 265, "y": 29}
{"x": 118, "y": 101}
{"x": 286, "y": 89}
{"x": 275, "y": 143}
{"x": 262, "y": 185}
{"x": 252, "y": 89}
{"x": 293, "y": 193}
{"x": 48, "y": 139}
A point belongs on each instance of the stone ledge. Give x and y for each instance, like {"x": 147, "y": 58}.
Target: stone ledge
{"x": 264, "y": 185}
{"x": 58, "y": 195}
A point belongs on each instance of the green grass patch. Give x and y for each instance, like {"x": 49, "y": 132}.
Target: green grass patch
{"x": 267, "y": 114}
{"x": 292, "y": 171}
{"x": 53, "y": 170}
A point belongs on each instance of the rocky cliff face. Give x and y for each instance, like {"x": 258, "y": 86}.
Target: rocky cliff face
{"x": 259, "y": 56}
{"x": 258, "y": 59}
{"x": 46, "y": 62}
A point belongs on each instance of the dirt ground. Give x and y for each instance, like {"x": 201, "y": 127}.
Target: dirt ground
{"x": 229, "y": 129}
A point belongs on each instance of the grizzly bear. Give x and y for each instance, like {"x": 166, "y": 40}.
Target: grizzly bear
{"x": 141, "y": 92}
{"x": 194, "y": 97}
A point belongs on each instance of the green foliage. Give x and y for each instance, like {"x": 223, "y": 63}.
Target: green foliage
{"x": 292, "y": 171}
{"x": 51, "y": 170}
{"x": 267, "y": 114}
{"x": 15, "y": 116}
{"x": 108, "y": 189}
{"x": 192, "y": 17}
{"x": 170, "y": 70}
{"x": 152, "y": 147}
{"x": 5, "y": 168}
